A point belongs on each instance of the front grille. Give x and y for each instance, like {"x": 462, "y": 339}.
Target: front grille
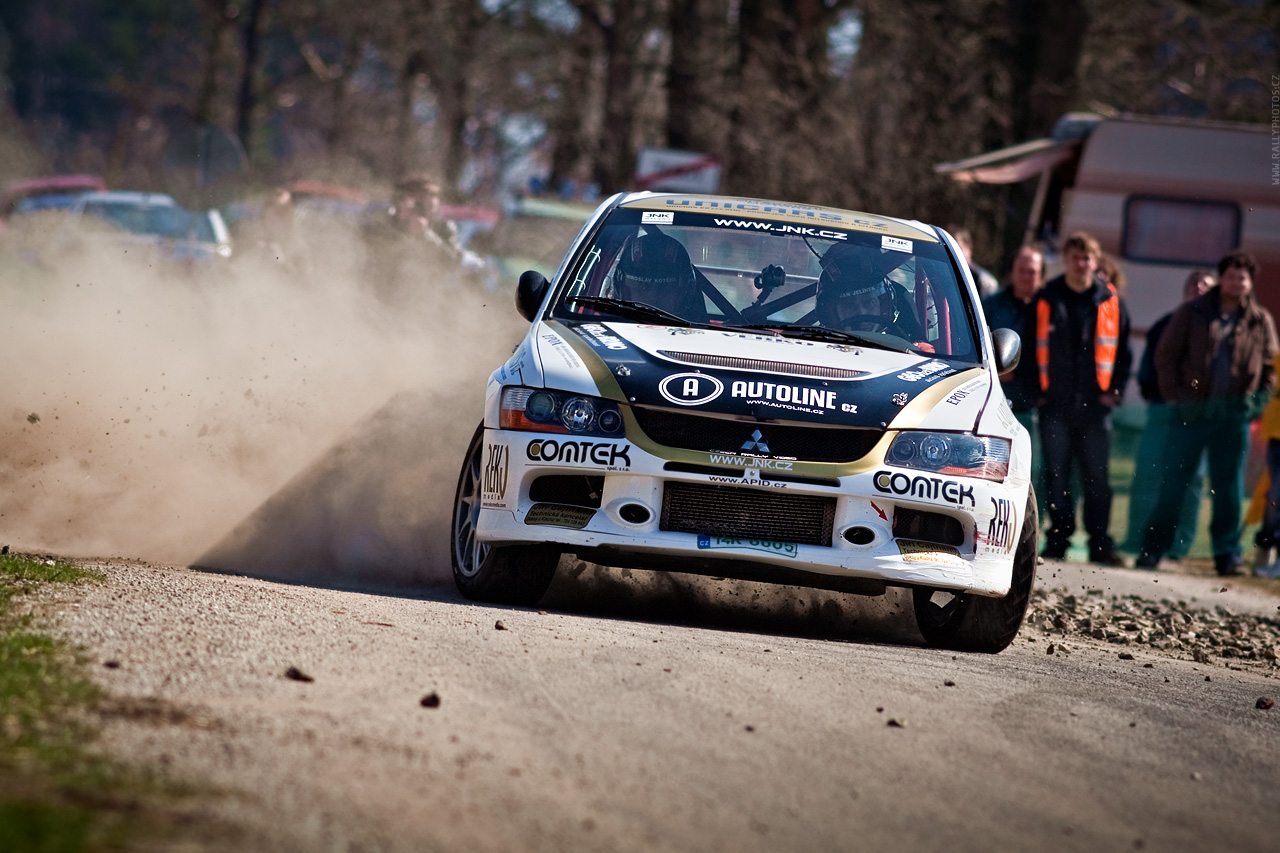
{"x": 747, "y": 513}
{"x": 723, "y": 435}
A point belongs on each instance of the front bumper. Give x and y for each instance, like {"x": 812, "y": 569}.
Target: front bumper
{"x": 861, "y": 526}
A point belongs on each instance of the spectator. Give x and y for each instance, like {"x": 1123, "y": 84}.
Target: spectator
{"x": 275, "y": 238}
{"x": 1013, "y": 307}
{"x": 1148, "y": 463}
{"x": 1112, "y": 273}
{"x": 986, "y": 282}
{"x": 416, "y": 212}
{"x": 410, "y": 244}
{"x": 1265, "y": 507}
{"x": 1215, "y": 367}
{"x": 1082, "y": 355}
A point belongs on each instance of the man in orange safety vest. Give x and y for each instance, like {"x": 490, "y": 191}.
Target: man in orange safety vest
{"x": 1083, "y": 360}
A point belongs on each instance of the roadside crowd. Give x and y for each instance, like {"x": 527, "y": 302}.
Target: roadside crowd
{"x": 1207, "y": 372}
{"x": 401, "y": 239}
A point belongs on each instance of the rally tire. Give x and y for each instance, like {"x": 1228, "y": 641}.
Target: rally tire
{"x": 495, "y": 574}
{"x": 974, "y": 623}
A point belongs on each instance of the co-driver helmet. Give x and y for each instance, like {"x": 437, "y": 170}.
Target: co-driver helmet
{"x": 850, "y": 278}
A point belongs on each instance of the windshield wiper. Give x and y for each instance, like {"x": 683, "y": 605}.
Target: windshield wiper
{"x": 632, "y": 310}
{"x": 820, "y": 333}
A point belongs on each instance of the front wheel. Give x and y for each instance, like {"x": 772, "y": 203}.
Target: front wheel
{"x": 974, "y": 623}
{"x": 496, "y": 574}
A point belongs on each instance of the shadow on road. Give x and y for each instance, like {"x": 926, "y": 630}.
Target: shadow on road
{"x": 371, "y": 513}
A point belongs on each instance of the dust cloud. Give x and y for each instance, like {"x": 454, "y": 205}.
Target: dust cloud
{"x": 248, "y": 415}
{"x": 294, "y": 422}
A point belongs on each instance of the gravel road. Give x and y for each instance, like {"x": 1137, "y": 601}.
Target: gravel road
{"x": 639, "y": 711}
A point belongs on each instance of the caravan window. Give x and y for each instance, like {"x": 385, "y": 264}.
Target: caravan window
{"x": 1176, "y": 231}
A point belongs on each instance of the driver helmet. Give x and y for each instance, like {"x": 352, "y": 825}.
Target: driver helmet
{"x": 849, "y": 286}
{"x": 655, "y": 269}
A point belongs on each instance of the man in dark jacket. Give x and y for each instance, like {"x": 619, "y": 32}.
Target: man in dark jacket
{"x": 1214, "y": 365}
{"x": 1083, "y": 361}
{"x": 1013, "y": 307}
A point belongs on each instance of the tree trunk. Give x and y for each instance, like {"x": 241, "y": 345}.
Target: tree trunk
{"x": 572, "y": 141}
{"x": 1047, "y": 41}
{"x": 617, "y": 161}
{"x": 404, "y": 157}
{"x": 454, "y": 87}
{"x": 340, "y": 82}
{"x": 255, "y": 21}
{"x": 217, "y": 25}
{"x": 743, "y": 144}
{"x": 695, "y": 83}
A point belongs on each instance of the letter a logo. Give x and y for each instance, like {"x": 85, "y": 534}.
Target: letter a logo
{"x": 695, "y": 388}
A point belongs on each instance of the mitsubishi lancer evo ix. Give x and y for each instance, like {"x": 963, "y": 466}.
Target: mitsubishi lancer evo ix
{"x": 763, "y": 391}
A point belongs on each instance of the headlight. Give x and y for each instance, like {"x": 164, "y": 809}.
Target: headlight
{"x": 555, "y": 411}
{"x": 950, "y": 453}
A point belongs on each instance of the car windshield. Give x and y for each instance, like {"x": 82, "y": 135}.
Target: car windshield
{"x": 817, "y": 282}
{"x": 164, "y": 220}
{"x": 49, "y": 201}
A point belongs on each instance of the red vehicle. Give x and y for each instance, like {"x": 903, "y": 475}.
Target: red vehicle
{"x": 50, "y": 192}
{"x": 333, "y": 198}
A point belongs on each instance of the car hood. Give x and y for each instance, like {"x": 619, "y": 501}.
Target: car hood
{"x": 709, "y": 371}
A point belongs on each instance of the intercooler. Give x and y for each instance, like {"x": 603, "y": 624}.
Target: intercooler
{"x": 747, "y": 513}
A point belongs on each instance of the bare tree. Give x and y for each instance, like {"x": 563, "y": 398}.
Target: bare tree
{"x": 927, "y": 86}
{"x": 701, "y": 39}
{"x": 1195, "y": 58}
{"x": 574, "y": 133}
{"x": 251, "y": 35}
{"x": 784, "y": 99}
{"x": 424, "y": 84}
{"x": 619, "y": 24}
{"x": 1047, "y": 41}
{"x": 218, "y": 21}
{"x": 447, "y": 51}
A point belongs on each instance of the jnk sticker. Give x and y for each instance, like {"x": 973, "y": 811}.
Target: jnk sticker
{"x": 896, "y": 244}
{"x": 658, "y": 217}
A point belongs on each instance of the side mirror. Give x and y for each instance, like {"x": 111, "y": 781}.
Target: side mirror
{"x": 530, "y": 291}
{"x": 1008, "y": 347}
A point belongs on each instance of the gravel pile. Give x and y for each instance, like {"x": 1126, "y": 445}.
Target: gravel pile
{"x": 1170, "y": 627}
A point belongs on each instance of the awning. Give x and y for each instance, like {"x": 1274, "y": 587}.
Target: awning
{"x": 1011, "y": 165}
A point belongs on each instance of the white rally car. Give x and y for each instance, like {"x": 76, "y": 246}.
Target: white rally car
{"x": 757, "y": 390}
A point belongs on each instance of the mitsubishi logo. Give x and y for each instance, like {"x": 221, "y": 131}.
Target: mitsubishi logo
{"x": 756, "y": 442}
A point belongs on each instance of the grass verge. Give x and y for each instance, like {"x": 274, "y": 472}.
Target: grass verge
{"x": 56, "y": 794}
